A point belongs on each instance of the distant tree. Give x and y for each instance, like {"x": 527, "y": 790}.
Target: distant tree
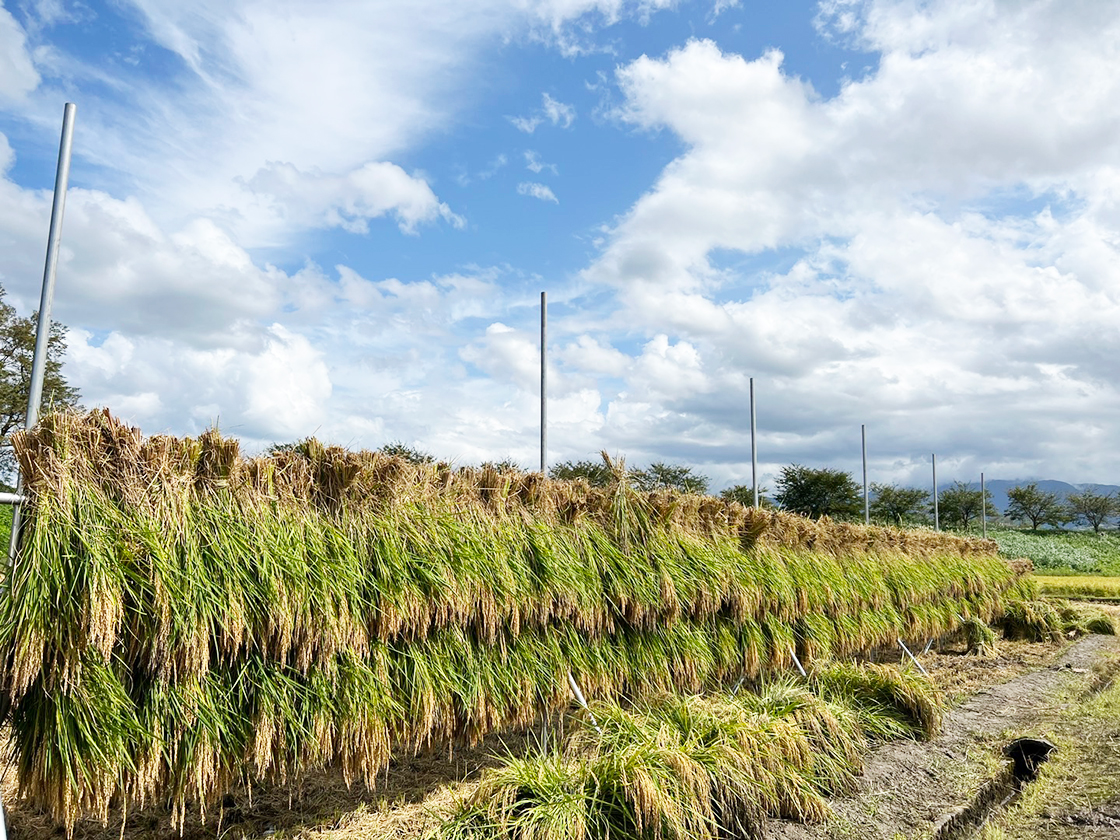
{"x": 1094, "y": 509}
{"x": 1027, "y": 503}
{"x": 411, "y": 454}
{"x": 958, "y": 505}
{"x": 818, "y": 492}
{"x": 595, "y": 473}
{"x": 17, "y": 351}
{"x": 504, "y": 465}
{"x": 662, "y": 476}
{"x": 744, "y": 495}
{"x": 897, "y": 505}
{"x": 288, "y": 446}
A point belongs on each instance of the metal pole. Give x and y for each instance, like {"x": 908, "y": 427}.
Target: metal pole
{"x": 43, "y": 329}
{"x": 797, "y": 662}
{"x": 544, "y": 384}
{"x": 936, "y": 520}
{"x": 866, "y": 502}
{"x": 913, "y": 658}
{"x": 754, "y": 450}
{"x": 983, "y": 508}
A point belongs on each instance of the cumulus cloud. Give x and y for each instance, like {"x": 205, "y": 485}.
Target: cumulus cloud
{"x": 351, "y": 200}
{"x": 277, "y": 390}
{"x": 535, "y": 190}
{"x": 950, "y": 219}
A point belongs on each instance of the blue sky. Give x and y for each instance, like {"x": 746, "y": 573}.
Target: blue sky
{"x": 336, "y": 219}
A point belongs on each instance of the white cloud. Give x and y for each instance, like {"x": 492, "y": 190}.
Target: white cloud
{"x": 278, "y": 390}
{"x": 535, "y": 190}
{"x": 552, "y": 111}
{"x": 18, "y": 76}
{"x": 7, "y": 156}
{"x": 534, "y": 163}
{"x": 349, "y": 201}
{"x": 938, "y": 240}
{"x": 935, "y": 289}
{"x": 558, "y": 113}
{"x": 590, "y": 355}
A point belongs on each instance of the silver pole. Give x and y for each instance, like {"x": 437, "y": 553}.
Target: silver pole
{"x": 983, "y": 508}
{"x": 866, "y": 503}
{"x": 43, "y": 329}
{"x": 936, "y": 520}
{"x": 913, "y": 658}
{"x": 544, "y": 384}
{"x": 754, "y": 450}
{"x": 797, "y": 662}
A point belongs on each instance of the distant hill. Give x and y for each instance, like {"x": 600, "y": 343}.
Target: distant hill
{"x": 999, "y": 487}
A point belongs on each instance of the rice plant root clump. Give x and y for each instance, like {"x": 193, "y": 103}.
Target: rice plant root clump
{"x": 182, "y": 619}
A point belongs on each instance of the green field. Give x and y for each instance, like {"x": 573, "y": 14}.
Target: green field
{"x": 1095, "y": 587}
{"x": 1063, "y": 552}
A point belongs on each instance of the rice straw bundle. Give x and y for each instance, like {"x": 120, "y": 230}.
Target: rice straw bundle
{"x": 182, "y": 618}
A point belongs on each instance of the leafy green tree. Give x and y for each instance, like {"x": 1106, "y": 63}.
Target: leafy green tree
{"x": 959, "y": 505}
{"x": 1094, "y": 509}
{"x": 744, "y": 495}
{"x": 897, "y": 505}
{"x": 662, "y": 476}
{"x": 595, "y": 473}
{"x": 399, "y": 449}
{"x": 818, "y": 492}
{"x": 17, "y": 351}
{"x": 1027, "y": 503}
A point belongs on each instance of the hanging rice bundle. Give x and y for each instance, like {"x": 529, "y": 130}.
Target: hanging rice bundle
{"x": 181, "y": 618}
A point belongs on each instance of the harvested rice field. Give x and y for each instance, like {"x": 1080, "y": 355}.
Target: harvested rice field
{"x": 320, "y": 641}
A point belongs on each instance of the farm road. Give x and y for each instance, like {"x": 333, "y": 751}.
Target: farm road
{"x": 908, "y": 787}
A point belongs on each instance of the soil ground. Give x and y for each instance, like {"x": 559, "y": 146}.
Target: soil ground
{"x": 906, "y": 789}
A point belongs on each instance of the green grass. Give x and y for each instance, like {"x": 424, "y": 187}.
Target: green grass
{"x": 1075, "y": 587}
{"x": 1063, "y": 552}
{"x": 1082, "y": 775}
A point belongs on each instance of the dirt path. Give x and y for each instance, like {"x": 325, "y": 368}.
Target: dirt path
{"x": 908, "y": 787}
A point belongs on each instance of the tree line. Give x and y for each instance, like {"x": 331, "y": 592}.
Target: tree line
{"x": 829, "y": 492}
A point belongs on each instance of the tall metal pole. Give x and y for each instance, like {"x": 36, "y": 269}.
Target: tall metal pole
{"x": 43, "y": 329}
{"x": 544, "y": 383}
{"x": 983, "y": 508}
{"x": 866, "y": 502}
{"x": 754, "y": 450}
{"x": 936, "y": 519}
